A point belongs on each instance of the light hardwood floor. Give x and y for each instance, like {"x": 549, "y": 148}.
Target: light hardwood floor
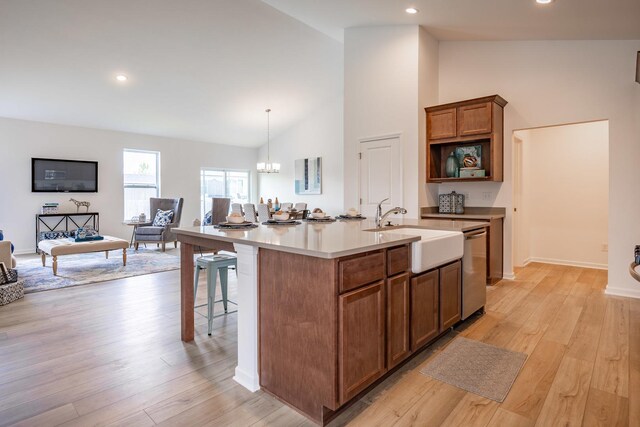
{"x": 110, "y": 354}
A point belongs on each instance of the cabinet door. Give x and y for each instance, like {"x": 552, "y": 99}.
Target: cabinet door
{"x": 398, "y": 347}
{"x": 450, "y": 289}
{"x": 361, "y": 339}
{"x": 441, "y": 124}
{"x": 424, "y": 308}
{"x": 494, "y": 251}
{"x": 474, "y": 119}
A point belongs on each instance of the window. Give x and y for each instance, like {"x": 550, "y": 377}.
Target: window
{"x": 223, "y": 183}
{"x": 141, "y": 176}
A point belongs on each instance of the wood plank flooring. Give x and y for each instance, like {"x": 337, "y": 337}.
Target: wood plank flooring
{"x": 110, "y": 354}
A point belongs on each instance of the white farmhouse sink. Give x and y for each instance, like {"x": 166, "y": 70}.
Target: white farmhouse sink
{"x": 435, "y": 247}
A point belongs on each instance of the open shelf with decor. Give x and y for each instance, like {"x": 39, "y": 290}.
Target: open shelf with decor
{"x": 465, "y": 140}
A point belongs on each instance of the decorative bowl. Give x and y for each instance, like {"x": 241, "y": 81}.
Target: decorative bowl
{"x": 318, "y": 215}
{"x": 352, "y": 212}
{"x": 281, "y": 216}
{"x": 235, "y": 219}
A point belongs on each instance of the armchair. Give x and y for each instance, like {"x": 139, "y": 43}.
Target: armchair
{"x": 149, "y": 233}
{"x": 5, "y": 254}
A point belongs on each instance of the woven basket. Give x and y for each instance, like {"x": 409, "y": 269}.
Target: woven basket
{"x": 10, "y": 276}
{"x": 11, "y": 292}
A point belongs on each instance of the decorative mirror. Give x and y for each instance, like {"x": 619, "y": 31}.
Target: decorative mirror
{"x": 308, "y": 175}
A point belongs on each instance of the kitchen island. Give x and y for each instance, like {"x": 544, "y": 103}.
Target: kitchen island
{"x": 324, "y": 309}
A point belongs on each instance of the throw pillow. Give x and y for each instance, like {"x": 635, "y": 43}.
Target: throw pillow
{"x": 163, "y": 218}
{"x": 2, "y": 238}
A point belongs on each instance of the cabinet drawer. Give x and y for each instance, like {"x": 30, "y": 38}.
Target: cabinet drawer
{"x": 360, "y": 271}
{"x": 397, "y": 260}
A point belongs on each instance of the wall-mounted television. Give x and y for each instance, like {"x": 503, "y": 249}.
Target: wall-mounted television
{"x": 63, "y": 176}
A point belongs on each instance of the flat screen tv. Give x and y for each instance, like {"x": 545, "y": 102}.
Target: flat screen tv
{"x": 63, "y": 176}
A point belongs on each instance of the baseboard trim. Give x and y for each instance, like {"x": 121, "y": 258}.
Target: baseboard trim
{"x": 622, "y": 292}
{"x": 508, "y": 276}
{"x": 31, "y": 251}
{"x": 569, "y": 263}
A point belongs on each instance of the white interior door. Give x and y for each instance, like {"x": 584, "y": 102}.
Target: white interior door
{"x": 380, "y": 174}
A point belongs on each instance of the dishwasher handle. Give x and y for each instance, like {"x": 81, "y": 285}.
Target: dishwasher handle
{"x": 477, "y": 235}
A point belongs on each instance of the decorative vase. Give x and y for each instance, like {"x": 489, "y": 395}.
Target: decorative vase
{"x": 452, "y": 166}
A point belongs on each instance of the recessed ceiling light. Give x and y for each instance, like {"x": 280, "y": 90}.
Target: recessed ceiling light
{"x": 411, "y": 10}
{"x": 544, "y": 1}
{"x": 121, "y": 78}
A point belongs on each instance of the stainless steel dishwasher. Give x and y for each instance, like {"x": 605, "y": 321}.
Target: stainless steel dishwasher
{"x": 474, "y": 272}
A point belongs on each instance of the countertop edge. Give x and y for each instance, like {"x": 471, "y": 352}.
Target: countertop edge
{"x": 402, "y": 240}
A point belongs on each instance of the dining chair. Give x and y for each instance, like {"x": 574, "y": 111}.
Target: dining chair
{"x": 219, "y": 209}
{"x": 300, "y": 206}
{"x": 250, "y": 212}
{"x": 286, "y": 206}
{"x": 237, "y": 208}
{"x": 263, "y": 212}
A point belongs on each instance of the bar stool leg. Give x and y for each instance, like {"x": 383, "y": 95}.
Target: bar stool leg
{"x": 196, "y": 276}
{"x": 211, "y": 295}
{"x": 224, "y": 271}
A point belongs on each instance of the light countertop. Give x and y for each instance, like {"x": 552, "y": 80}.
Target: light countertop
{"x": 326, "y": 240}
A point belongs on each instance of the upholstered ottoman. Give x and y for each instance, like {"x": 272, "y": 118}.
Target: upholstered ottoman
{"x": 57, "y": 247}
{"x": 11, "y": 292}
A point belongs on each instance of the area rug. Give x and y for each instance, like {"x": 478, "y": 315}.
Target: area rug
{"x": 479, "y": 368}
{"x": 83, "y": 269}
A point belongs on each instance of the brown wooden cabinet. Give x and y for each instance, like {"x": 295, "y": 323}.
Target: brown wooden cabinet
{"x": 398, "y": 345}
{"x": 330, "y": 328}
{"x": 450, "y": 294}
{"x": 361, "y": 339}
{"x": 441, "y": 124}
{"x": 425, "y": 319}
{"x": 474, "y": 119}
{"x": 474, "y": 122}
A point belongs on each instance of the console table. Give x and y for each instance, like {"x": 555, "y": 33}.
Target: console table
{"x": 55, "y": 226}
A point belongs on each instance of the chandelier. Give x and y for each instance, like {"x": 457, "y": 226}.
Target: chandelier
{"x": 268, "y": 167}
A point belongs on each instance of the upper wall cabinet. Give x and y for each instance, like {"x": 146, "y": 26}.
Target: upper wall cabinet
{"x": 465, "y": 140}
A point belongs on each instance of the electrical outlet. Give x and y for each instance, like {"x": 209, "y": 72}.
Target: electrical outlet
{"x": 467, "y": 196}
{"x": 605, "y": 247}
{"x": 486, "y": 195}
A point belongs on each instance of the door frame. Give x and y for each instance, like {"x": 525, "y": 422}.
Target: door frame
{"x": 515, "y": 230}
{"x": 382, "y": 137}
{"x": 517, "y": 258}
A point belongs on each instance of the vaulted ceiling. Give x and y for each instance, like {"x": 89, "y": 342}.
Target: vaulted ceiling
{"x": 477, "y": 19}
{"x": 198, "y": 69}
{"x": 206, "y": 69}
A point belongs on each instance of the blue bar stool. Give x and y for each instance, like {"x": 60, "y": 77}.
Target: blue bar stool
{"x": 214, "y": 264}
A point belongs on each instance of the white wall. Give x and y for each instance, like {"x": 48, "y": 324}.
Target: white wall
{"x": 390, "y": 71}
{"x": 565, "y": 194}
{"x": 180, "y": 172}
{"x": 428, "y": 95}
{"x": 556, "y": 82}
{"x": 318, "y": 135}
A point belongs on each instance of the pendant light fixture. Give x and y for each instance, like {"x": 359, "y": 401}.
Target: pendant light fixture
{"x": 268, "y": 167}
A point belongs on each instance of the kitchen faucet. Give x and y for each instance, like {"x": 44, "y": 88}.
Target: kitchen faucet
{"x": 380, "y": 217}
